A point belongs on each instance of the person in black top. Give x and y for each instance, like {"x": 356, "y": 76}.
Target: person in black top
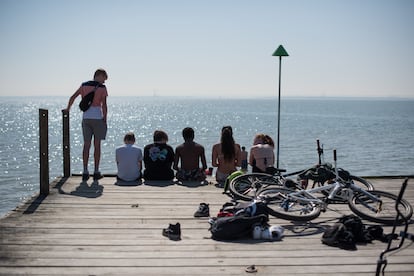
{"x": 158, "y": 158}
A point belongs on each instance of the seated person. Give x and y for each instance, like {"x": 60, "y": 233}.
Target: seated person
{"x": 190, "y": 154}
{"x": 226, "y": 155}
{"x": 262, "y": 153}
{"x": 158, "y": 158}
{"x": 128, "y": 159}
{"x": 244, "y": 162}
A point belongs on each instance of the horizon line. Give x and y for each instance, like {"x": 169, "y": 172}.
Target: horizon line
{"x": 229, "y": 98}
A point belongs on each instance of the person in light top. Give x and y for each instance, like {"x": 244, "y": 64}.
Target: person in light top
{"x": 129, "y": 159}
{"x": 262, "y": 153}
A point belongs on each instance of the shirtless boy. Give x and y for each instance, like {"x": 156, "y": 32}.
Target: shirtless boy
{"x": 190, "y": 154}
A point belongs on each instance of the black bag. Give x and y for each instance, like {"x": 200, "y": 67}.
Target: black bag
{"x": 86, "y": 101}
{"x": 319, "y": 173}
{"x": 236, "y": 227}
{"x": 348, "y": 232}
{"x": 356, "y": 227}
{"x": 246, "y": 208}
{"x": 338, "y": 235}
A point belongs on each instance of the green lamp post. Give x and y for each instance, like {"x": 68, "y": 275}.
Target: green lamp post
{"x": 280, "y": 52}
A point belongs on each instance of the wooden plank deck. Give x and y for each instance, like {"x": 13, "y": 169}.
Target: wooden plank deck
{"x": 103, "y": 228}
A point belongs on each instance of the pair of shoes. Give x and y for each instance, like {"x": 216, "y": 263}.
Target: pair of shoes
{"x": 97, "y": 176}
{"x": 173, "y": 232}
{"x": 85, "y": 176}
{"x": 202, "y": 211}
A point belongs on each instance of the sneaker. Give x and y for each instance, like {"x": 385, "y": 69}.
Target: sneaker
{"x": 211, "y": 221}
{"x": 173, "y": 232}
{"x": 85, "y": 176}
{"x": 97, "y": 176}
{"x": 203, "y": 211}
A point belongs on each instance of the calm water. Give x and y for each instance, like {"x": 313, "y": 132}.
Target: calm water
{"x": 372, "y": 137}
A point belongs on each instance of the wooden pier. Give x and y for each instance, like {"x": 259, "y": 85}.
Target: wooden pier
{"x": 102, "y": 227}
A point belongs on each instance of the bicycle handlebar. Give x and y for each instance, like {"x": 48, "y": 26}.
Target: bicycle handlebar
{"x": 402, "y": 190}
{"x": 273, "y": 170}
{"x": 320, "y": 151}
{"x": 382, "y": 262}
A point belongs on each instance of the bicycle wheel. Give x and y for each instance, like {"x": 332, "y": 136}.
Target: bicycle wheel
{"x": 242, "y": 187}
{"x": 383, "y": 212}
{"x": 362, "y": 183}
{"x": 275, "y": 199}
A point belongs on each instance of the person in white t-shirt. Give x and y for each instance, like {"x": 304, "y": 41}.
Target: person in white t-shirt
{"x": 129, "y": 159}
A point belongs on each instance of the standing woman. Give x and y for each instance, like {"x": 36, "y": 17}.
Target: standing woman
{"x": 226, "y": 155}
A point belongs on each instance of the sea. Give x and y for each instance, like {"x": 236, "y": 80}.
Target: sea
{"x": 372, "y": 136}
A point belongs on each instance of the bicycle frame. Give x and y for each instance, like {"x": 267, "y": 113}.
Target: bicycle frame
{"x": 307, "y": 196}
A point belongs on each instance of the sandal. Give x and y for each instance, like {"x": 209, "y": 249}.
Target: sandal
{"x": 251, "y": 269}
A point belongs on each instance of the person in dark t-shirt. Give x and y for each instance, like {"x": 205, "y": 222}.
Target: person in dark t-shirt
{"x": 158, "y": 158}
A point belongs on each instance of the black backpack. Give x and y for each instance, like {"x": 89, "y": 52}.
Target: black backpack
{"x": 338, "y": 235}
{"x": 236, "y": 227}
{"x": 348, "y": 232}
{"x": 354, "y": 225}
{"x": 86, "y": 101}
{"x": 319, "y": 173}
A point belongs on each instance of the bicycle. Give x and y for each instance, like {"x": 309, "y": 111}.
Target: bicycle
{"x": 305, "y": 205}
{"x": 246, "y": 186}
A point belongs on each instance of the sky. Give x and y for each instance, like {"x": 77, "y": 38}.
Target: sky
{"x": 216, "y": 48}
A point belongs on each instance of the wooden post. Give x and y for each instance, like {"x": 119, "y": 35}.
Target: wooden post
{"x": 66, "y": 143}
{"x": 44, "y": 151}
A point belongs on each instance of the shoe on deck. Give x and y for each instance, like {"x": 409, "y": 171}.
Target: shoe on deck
{"x": 85, "y": 176}
{"x": 251, "y": 269}
{"x": 97, "y": 176}
{"x": 202, "y": 211}
{"x": 173, "y": 232}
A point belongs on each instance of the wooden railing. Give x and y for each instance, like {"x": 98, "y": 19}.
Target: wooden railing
{"x": 44, "y": 148}
{"x": 66, "y": 143}
{"x": 44, "y": 151}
